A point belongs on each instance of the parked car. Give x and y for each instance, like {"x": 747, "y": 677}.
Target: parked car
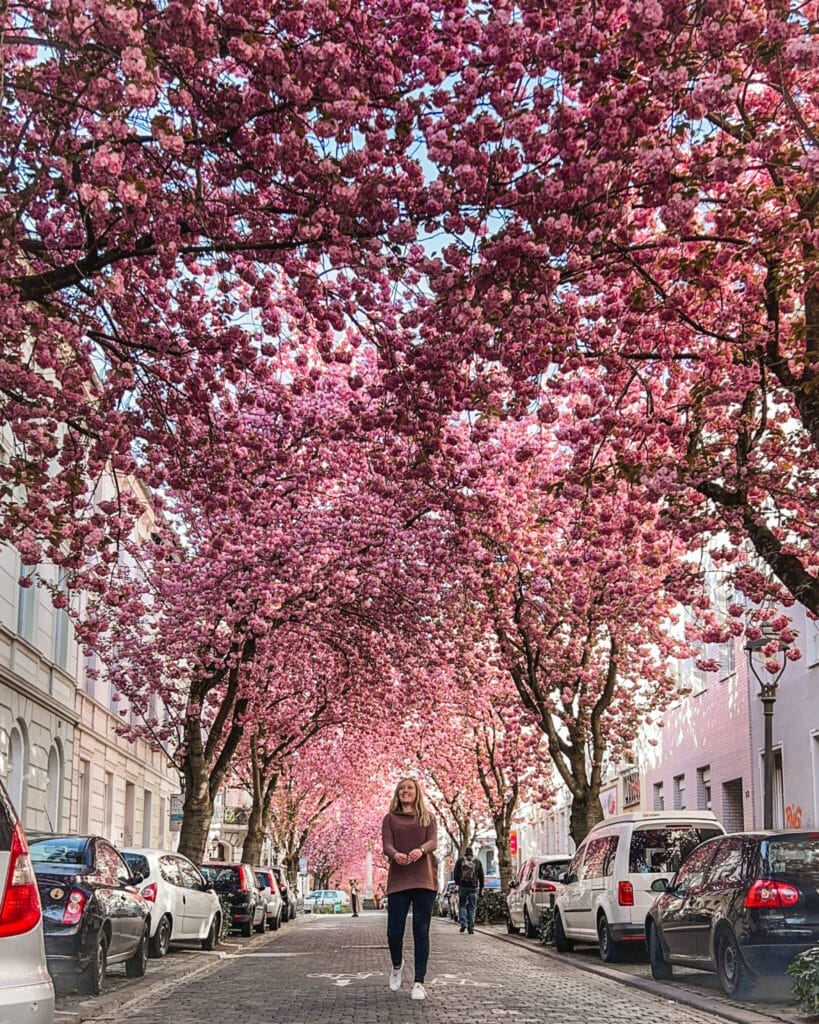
{"x": 743, "y": 905}
{"x": 291, "y": 897}
{"x": 272, "y": 898}
{"x": 185, "y": 906}
{"x": 238, "y": 881}
{"x": 93, "y": 914}
{"x": 533, "y": 890}
{"x": 26, "y": 989}
{"x": 321, "y": 898}
{"x": 608, "y": 885}
{"x": 448, "y": 897}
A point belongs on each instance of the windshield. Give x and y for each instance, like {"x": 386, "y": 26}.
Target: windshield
{"x": 797, "y": 858}
{"x": 224, "y": 879}
{"x": 137, "y": 863}
{"x": 552, "y": 872}
{"x": 662, "y": 850}
{"x": 58, "y": 850}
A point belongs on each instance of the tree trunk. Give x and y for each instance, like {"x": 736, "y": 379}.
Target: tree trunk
{"x": 585, "y": 813}
{"x": 197, "y": 816}
{"x": 505, "y": 865}
{"x": 254, "y": 837}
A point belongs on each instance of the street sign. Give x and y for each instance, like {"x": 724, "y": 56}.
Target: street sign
{"x": 177, "y": 813}
{"x": 302, "y": 865}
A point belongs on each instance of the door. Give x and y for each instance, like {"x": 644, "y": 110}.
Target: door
{"x": 593, "y": 883}
{"x": 679, "y": 903}
{"x": 725, "y": 878}
{"x": 195, "y": 900}
{"x": 174, "y": 900}
{"x": 517, "y": 895}
{"x": 572, "y": 897}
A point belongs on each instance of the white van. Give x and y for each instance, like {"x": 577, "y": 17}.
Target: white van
{"x": 608, "y": 884}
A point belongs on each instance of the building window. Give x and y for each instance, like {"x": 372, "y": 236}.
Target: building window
{"x": 18, "y": 770}
{"x": 54, "y": 790}
{"x": 26, "y": 603}
{"x": 108, "y": 806}
{"x": 704, "y": 788}
{"x": 679, "y": 792}
{"x": 130, "y": 814}
{"x": 631, "y": 787}
{"x": 90, "y": 678}
{"x": 83, "y": 796}
{"x": 163, "y": 818}
{"x": 727, "y": 659}
{"x": 812, "y": 638}
{"x": 62, "y": 627}
{"x": 147, "y": 817}
{"x": 659, "y": 799}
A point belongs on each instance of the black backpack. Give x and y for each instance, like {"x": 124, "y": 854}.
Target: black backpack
{"x": 468, "y": 875}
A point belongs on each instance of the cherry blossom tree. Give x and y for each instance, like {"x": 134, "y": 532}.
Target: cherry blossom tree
{"x": 632, "y": 204}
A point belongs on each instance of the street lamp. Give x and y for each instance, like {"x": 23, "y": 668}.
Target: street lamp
{"x": 767, "y": 694}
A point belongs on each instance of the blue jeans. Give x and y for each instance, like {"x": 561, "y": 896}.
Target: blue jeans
{"x": 398, "y": 905}
{"x": 467, "y": 905}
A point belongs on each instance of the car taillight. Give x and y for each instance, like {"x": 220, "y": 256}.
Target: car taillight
{"x": 74, "y": 908}
{"x": 148, "y": 892}
{"x": 21, "y": 909}
{"x": 242, "y": 882}
{"x": 625, "y": 894}
{"x": 771, "y": 894}
{"x": 543, "y": 887}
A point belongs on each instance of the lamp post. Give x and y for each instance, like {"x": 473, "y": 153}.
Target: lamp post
{"x": 767, "y": 694}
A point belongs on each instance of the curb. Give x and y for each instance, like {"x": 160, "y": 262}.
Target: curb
{"x": 707, "y": 1004}
{"x": 147, "y": 987}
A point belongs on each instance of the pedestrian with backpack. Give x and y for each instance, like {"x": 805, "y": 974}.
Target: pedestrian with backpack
{"x": 468, "y": 877}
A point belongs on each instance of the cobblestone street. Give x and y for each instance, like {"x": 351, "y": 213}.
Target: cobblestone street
{"x": 331, "y": 970}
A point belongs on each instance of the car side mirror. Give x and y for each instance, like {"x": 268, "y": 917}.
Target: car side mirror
{"x": 660, "y": 885}
{"x": 134, "y": 880}
{"x": 208, "y": 887}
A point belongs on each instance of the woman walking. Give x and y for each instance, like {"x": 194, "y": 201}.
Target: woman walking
{"x": 409, "y": 834}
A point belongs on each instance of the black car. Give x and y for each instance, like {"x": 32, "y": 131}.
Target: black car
{"x": 742, "y": 905}
{"x": 92, "y": 913}
{"x": 238, "y": 883}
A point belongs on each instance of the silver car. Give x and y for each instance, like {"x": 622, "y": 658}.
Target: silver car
{"x": 26, "y": 991}
{"x": 537, "y": 885}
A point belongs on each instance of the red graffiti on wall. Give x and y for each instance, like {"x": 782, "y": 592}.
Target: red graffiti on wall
{"x": 793, "y": 816}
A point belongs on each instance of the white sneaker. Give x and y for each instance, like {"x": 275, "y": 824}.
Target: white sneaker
{"x": 395, "y": 978}
{"x": 418, "y": 991}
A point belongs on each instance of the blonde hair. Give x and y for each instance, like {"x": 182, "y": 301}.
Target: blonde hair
{"x": 419, "y": 807}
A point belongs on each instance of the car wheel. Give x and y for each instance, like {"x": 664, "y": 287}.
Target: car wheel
{"x": 212, "y": 939}
{"x": 273, "y": 923}
{"x": 510, "y": 927}
{"x": 661, "y": 969}
{"x": 609, "y": 949}
{"x": 262, "y": 925}
{"x": 138, "y": 964}
{"x": 528, "y": 927}
{"x": 247, "y": 928}
{"x": 161, "y": 941}
{"x": 733, "y": 973}
{"x": 91, "y": 979}
{"x": 562, "y": 943}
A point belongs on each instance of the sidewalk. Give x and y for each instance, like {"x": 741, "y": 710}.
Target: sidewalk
{"x": 690, "y": 988}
